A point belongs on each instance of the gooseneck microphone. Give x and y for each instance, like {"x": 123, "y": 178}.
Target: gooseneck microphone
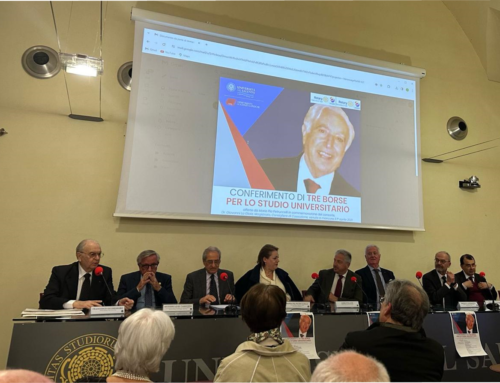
{"x": 321, "y": 306}
{"x": 490, "y": 306}
{"x": 232, "y": 307}
{"x": 368, "y": 306}
{"x": 99, "y": 271}
{"x": 418, "y": 275}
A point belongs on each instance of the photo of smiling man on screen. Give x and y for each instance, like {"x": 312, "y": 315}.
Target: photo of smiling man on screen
{"x": 327, "y": 134}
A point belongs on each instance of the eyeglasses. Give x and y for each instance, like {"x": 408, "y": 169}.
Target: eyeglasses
{"x": 216, "y": 262}
{"x": 153, "y": 266}
{"x": 93, "y": 255}
{"x": 440, "y": 260}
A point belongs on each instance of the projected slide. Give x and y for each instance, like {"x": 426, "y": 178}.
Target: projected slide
{"x": 233, "y": 129}
{"x": 272, "y": 163}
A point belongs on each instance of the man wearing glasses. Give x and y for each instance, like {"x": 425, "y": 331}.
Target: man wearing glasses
{"x": 147, "y": 287}
{"x": 76, "y": 286}
{"x": 440, "y": 284}
{"x": 204, "y": 286}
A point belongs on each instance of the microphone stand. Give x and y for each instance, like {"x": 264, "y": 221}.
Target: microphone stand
{"x": 231, "y": 308}
{"x": 492, "y": 306}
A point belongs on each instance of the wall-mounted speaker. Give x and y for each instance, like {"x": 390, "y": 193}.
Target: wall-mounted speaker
{"x": 41, "y": 62}
{"x": 457, "y": 128}
{"x": 125, "y": 76}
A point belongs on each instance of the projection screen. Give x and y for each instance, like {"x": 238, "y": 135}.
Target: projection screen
{"x": 226, "y": 125}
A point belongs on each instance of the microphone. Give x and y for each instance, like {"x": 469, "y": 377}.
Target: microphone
{"x": 490, "y": 306}
{"x": 367, "y": 305}
{"x": 418, "y": 275}
{"x": 99, "y": 271}
{"x": 232, "y": 307}
{"x": 315, "y": 276}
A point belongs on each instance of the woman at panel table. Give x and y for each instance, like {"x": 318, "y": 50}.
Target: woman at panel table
{"x": 268, "y": 273}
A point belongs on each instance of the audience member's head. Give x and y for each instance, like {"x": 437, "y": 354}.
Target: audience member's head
{"x": 143, "y": 339}
{"x": 405, "y": 303}
{"x": 22, "y": 376}
{"x": 263, "y": 307}
{"x": 349, "y": 366}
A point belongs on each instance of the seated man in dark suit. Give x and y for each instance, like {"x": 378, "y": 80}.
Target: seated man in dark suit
{"x": 474, "y": 285}
{"x": 440, "y": 285}
{"x": 398, "y": 339}
{"x": 76, "y": 286}
{"x": 204, "y": 286}
{"x": 327, "y": 133}
{"x": 147, "y": 287}
{"x": 375, "y": 278}
{"x": 336, "y": 284}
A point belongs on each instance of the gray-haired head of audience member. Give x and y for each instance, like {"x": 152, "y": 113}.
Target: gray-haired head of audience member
{"x": 210, "y": 249}
{"x": 143, "y": 339}
{"x": 350, "y": 366}
{"x": 147, "y": 253}
{"x": 22, "y": 376}
{"x": 408, "y": 304}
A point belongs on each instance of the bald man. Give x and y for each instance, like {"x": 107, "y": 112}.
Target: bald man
{"x": 350, "y": 366}
{"x": 22, "y": 376}
{"x": 327, "y": 133}
{"x": 76, "y": 286}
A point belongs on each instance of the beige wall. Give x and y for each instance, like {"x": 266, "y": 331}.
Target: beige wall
{"x": 59, "y": 177}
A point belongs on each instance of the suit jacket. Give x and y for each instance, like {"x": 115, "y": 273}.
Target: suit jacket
{"x": 460, "y": 278}
{"x": 436, "y": 291}
{"x": 252, "y": 277}
{"x": 128, "y": 288}
{"x": 195, "y": 286}
{"x": 321, "y": 287}
{"x": 63, "y": 287}
{"x": 284, "y": 172}
{"x": 407, "y": 356}
{"x": 369, "y": 284}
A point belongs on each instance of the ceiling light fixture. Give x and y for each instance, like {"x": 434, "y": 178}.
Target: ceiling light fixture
{"x": 82, "y": 65}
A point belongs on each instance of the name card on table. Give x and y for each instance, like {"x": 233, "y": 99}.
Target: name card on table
{"x": 468, "y": 306}
{"x": 180, "y": 308}
{"x": 107, "y": 310}
{"x": 298, "y": 306}
{"x": 490, "y": 305}
{"x": 347, "y": 306}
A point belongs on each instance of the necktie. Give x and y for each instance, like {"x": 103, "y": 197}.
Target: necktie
{"x": 213, "y": 289}
{"x": 311, "y": 186}
{"x": 380, "y": 285}
{"x": 301, "y": 335}
{"x": 338, "y": 288}
{"x": 85, "y": 293}
{"x": 148, "y": 297}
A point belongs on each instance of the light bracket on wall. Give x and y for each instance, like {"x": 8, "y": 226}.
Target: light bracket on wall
{"x": 82, "y": 65}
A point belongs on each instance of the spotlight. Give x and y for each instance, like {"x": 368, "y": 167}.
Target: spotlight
{"x": 82, "y": 65}
{"x": 471, "y": 183}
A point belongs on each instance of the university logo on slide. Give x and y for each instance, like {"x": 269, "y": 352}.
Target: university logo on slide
{"x": 87, "y": 355}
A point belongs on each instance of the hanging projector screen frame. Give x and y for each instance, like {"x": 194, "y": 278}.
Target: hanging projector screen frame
{"x": 291, "y": 51}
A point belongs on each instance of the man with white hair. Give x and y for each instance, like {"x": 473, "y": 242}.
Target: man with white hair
{"x": 375, "y": 278}
{"x": 398, "y": 339}
{"x": 350, "y": 366}
{"x": 77, "y": 286}
{"x": 327, "y": 133}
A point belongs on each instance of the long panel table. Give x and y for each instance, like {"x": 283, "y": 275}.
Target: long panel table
{"x": 67, "y": 350}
